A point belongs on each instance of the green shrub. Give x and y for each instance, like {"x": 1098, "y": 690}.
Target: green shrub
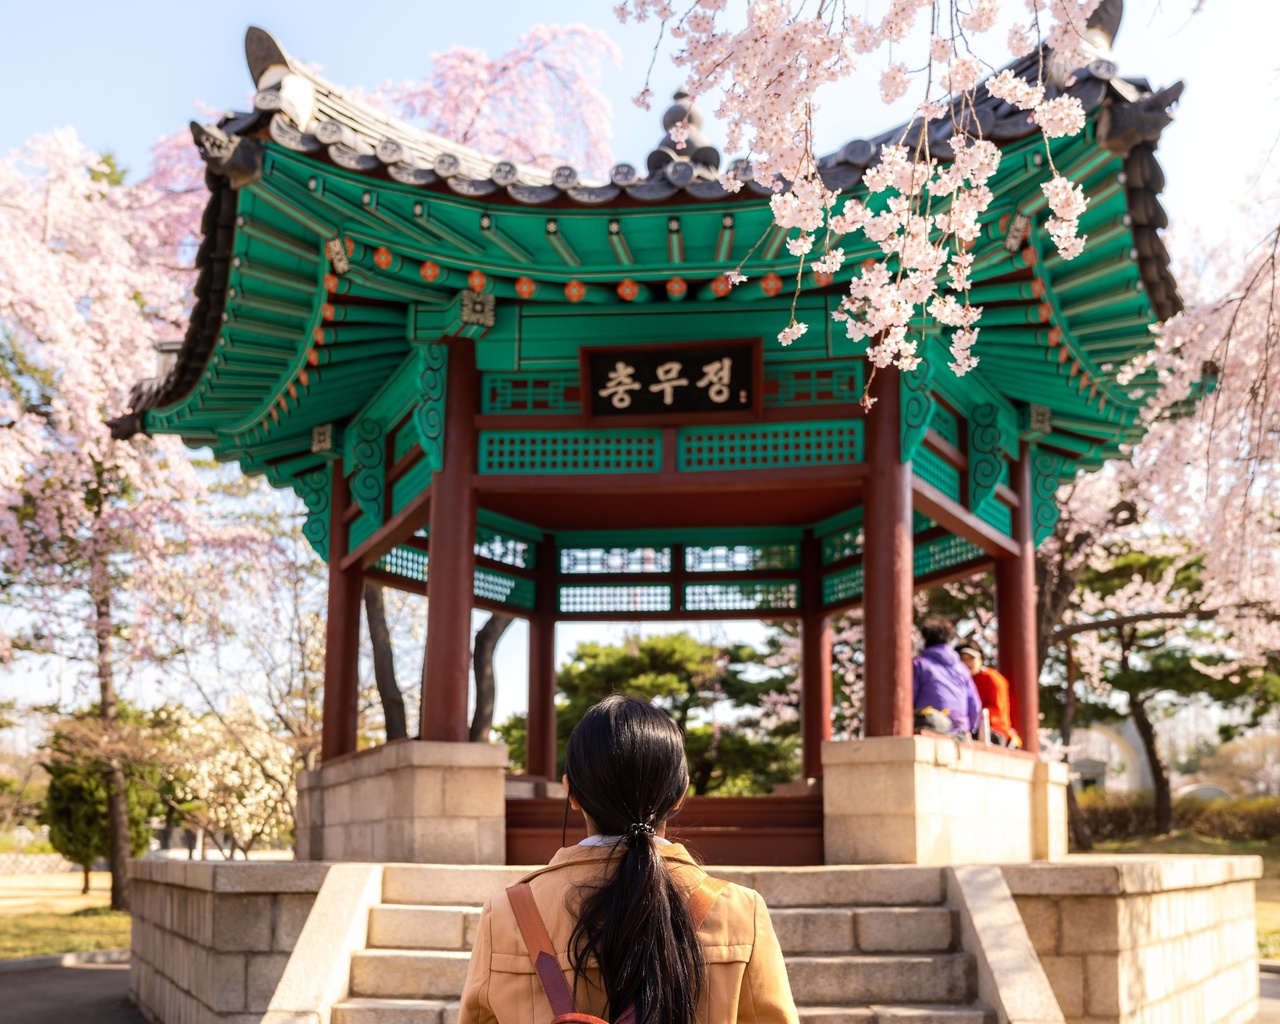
{"x": 1253, "y": 818}
{"x": 1118, "y": 815}
{"x": 1130, "y": 815}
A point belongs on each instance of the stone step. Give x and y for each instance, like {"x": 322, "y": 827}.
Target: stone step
{"x": 434, "y": 1011}
{"x": 887, "y": 1014}
{"x": 396, "y": 1011}
{"x": 924, "y": 978}
{"x": 852, "y": 885}
{"x": 800, "y": 929}
{"x": 409, "y": 974}
{"x": 404, "y": 926}
{"x": 863, "y": 929}
{"x": 816, "y": 980}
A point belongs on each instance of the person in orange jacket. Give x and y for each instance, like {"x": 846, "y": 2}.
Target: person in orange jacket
{"x": 993, "y": 689}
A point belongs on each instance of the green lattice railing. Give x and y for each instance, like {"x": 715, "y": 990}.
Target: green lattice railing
{"x": 815, "y": 383}
{"x": 741, "y": 557}
{"x": 930, "y": 467}
{"x": 842, "y": 586}
{"x": 570, "y": 451}
{"x": 943, "y": 553}
{"x": 524, "y": 393}
{"x": 407, "y": 563}
{"x": 500, "y": 546}
{"x": 996, "y": 513}
{"x": 945, "y": 423}
{"x": 592, "y": 561}
{"x": 498, "y": 586}
{"x": 771, "y": 595}
{"x": 776, "y": 446}
{"x": 613, "y": 599}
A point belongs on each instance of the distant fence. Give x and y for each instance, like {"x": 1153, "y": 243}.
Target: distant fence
{"x": 34, "y": 864}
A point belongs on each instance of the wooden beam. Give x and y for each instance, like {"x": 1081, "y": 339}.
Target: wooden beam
{"x": 672, "y": 482}
{"x": 393, "y": 532}
{"x": 394, "y": 582}
{"x": 815, "y": 659}
{"x": 745, "y": 614}
{"x": 446, "y": 672}
{"x": 1016, "y": 612}
{"x": 342, "y": 633}
{"x": 959, "y": 520}
{"x": 540, "y": 736}
{"x": 887, "y": 566}
{"x": 949, "y": 452}
{"x": 403, "y": 464}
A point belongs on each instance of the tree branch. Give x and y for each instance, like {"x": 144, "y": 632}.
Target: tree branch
{"x": 1119, "y": 621}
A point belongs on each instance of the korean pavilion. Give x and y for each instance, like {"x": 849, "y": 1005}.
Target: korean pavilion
{"x": 519, "y": 389}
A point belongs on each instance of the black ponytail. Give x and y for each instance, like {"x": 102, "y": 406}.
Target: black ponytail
{"x": 626, "y": 765}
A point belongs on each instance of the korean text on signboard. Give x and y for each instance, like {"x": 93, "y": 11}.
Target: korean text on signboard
{"x": 676, "y": 381}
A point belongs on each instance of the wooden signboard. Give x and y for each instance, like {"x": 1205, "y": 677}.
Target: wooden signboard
{"x": 673, "y": 383}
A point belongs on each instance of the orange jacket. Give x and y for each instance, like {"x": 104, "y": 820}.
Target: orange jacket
{"x": 993, "y": 689}
{"x": 746, "y": 976}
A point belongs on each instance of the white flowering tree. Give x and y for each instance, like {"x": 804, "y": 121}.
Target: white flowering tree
{"x": 232, "y": 776}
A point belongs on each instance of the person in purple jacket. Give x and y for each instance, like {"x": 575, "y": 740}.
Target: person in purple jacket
{"x": 943, "y": 694}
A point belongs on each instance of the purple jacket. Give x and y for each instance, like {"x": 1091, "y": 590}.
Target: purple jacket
{"x": 940, "y": 680}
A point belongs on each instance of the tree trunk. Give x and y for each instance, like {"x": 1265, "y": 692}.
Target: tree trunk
{"x": 1080, "y": 832}
{"x": 1159, "y": 774}
{"x": 85, "y": 891}
{"x": 384, "y": 666}
{"x": 117, "y": 801}
{"x": 482, "y": 659}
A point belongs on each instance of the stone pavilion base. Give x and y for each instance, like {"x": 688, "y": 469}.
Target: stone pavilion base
{"x": 930, "y": 800}
{"x": 1115, "y": 940}
{"x": 410, "y": 801}
{"x": 1144, "y": 940}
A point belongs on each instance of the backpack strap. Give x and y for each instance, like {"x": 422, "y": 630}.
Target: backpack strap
{"x": 703, "y": 898}
{"x": 534, "y": 932}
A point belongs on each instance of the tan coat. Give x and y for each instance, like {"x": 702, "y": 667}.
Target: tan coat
{"x": 746, "y": 978}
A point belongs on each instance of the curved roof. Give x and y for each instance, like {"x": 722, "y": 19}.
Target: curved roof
{"x": 1085, "y": 335}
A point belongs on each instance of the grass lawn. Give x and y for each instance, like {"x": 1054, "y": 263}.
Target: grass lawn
{"x": 1268, "y": 884}
{"x": 42, "y": 915}
{"x": 48, "y": 933}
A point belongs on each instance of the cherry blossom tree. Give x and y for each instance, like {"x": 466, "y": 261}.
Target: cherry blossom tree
{"x": 539, "y": 103}
{"x": 923, "y": 214}
{"x": 99, "y": 539}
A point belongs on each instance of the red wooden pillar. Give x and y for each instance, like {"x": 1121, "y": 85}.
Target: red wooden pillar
{"x": 887, "y": 565}
{"x": 342, "y": 631}
{"x": 540, "y": 736}
{"x": 450, "y": 571}
{"x": 815, "y": 659}
{"x": 1016, "y": 610}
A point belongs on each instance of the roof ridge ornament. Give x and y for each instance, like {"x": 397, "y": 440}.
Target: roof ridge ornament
{"x": 688, "y": 146}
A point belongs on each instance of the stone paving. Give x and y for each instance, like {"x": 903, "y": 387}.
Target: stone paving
{"x": 1270, "y": 1007}
{"x": 57, "y": 995}
{"x": 60, "y": 995}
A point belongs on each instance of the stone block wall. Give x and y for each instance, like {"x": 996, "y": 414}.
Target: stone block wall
{"x": 1145, "y": 941}
{"x": 930, "y": 800}
{"x": 211, "y": 940}
{"x": 407, "y": 802}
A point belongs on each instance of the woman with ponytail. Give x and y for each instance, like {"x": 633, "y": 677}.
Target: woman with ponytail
{"x": 625, "y": 926}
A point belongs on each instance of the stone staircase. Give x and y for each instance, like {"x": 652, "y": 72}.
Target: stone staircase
{"x": 863, "y": 945}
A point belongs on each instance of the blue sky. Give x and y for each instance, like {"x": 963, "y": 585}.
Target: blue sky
{"x": 125, "y": 74}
